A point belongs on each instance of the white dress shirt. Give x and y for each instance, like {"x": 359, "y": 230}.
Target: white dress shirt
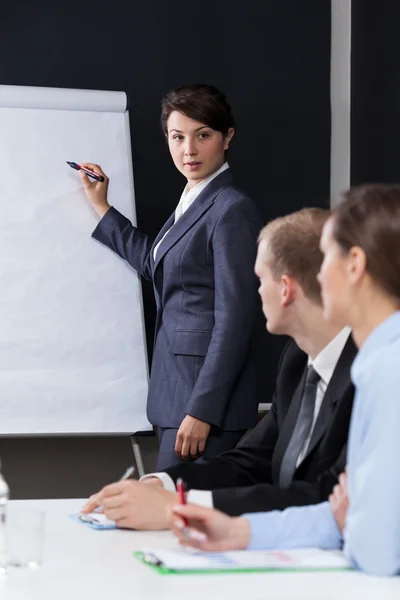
{"x": 189, "y": 195}
{"x": 324, "y": 364}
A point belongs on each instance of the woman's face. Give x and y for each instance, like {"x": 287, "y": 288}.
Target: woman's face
{"x": 196, "y": 149}
{"x": 336, "y": 287}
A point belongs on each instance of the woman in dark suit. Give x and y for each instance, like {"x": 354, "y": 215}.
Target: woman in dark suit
{"x": 203, "y": 386}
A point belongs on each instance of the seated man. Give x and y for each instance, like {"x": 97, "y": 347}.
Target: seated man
{"x": 297, "y": 451}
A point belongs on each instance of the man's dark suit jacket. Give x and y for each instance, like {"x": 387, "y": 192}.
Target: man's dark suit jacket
{"x": 246, "y": 478}
{"x": 205, "y": 357}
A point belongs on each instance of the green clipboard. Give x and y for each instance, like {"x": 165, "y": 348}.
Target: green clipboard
{"x": 159, "y": 568}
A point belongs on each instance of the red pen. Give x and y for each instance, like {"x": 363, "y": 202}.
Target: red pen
{"x": 180, "y": 486}
{"x": 89, "y": 172}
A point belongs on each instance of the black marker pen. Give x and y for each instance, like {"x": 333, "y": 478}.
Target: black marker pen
{"x": 74, "y": 165}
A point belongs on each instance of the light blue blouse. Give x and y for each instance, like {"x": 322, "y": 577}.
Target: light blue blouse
{"x": 372, "y": 533}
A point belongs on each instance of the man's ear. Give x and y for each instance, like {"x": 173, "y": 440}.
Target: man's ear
{"x": 288, "y": 291}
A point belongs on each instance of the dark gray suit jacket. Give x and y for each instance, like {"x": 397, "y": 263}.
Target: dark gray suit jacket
{"x": 204, "y": 361}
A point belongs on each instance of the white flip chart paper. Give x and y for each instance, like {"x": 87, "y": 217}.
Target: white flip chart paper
{"x": 72, "y": 344}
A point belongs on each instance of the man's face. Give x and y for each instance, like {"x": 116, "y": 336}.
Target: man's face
{"x": 270, "y": 289}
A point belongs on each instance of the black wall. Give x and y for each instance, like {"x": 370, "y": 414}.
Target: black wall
{"x": 271, "y": 58}
{"x": 375, "y": 91}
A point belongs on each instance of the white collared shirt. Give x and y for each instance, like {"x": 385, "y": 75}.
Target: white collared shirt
{"x": 324, "y": 364}
{"x": 188, "y": 196}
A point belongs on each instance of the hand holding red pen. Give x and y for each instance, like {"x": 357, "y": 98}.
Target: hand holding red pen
{"x": 180, "y": 488}
{"x": 96, "y": 191}
{"x": 208, "y": 529}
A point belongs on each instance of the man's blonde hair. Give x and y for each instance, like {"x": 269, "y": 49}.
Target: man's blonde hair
{"x": 293, "y": 247}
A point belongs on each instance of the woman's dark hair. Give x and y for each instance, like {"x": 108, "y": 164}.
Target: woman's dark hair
{"x": 369, "y": 217}
{"x": 200, "y": 102}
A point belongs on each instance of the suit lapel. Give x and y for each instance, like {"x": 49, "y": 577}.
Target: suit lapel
{"x": 187, "y": 220}
{"x": 338, "y": 384}
{"x": 288, "y": 428}
{"x": 167, "y": 225}
{"x": 202, "y": 203}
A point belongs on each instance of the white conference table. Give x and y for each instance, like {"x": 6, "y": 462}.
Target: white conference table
{"x": 84, "y": 564}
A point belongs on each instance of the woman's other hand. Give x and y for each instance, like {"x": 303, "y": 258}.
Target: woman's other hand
{"x": 191, "y": 438}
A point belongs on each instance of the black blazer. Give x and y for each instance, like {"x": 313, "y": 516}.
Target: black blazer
{"x": 246, "y": 479}
{"x": 205, "y": 360}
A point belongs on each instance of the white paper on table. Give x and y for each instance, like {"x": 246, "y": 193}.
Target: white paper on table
{"x": 99, "y": 519}
{"x": 309, "y": 558}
